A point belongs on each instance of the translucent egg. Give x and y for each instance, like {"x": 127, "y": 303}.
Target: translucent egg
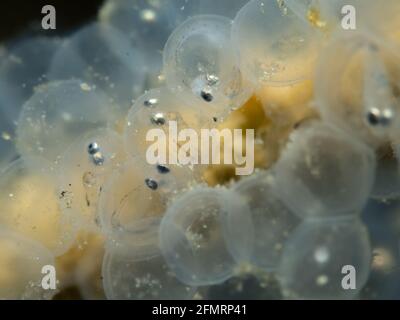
{"x": 324, "y": 172}
{"x": 21, "y": 263}
{"x": 133, "y": 201}
{"x": 30, "y": 206}
{"x": 148, "y": 24}
{"x": 103, "y": 57}
{"x": 356, "y": 84}
{"x": 127, "y": 277}
{"x": 193, "y": 236}
{"x": 201, "y": 67}
{"x": 159, "y": 111}
{"x": 58, "y": 114}
{"x": 288, "y": 49}
{"x": 321, "y": 258}
{"x": 272, "y": 221}
{"x": 25, "y": 66}
{"x": 83, "y": 170}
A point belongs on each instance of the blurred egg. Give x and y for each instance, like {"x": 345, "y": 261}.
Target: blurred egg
{"x": 58, "y": 114}
{"x": 102, "y": 57}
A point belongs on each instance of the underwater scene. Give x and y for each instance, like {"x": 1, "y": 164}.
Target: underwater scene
{"x": 201, "y": 150}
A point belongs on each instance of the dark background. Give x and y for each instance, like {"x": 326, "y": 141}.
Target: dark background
{"x": 18, "y": 16}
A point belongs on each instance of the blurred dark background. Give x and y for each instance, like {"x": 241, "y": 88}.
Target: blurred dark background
{"x": 18, "y": 16}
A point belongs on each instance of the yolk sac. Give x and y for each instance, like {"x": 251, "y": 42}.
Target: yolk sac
{"x": 194, "y": 236}
{"x": 202, "y": 68}
{"x": 324, "y": 172}
{"x": 289, "y": 48}
{"x": 30, "y": 206}
{"x": 315, "y": 255}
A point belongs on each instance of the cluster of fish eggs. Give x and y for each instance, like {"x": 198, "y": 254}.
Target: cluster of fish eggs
{"x": 74, "y": 114}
